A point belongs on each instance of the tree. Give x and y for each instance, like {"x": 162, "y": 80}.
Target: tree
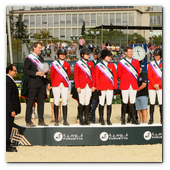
{"x": 44, "y": 34}
{"x": 111, "y": 29}
{"x": 21, "y": 28}
{"x": 157, "y": 39}
{"x": 83, "y": 28}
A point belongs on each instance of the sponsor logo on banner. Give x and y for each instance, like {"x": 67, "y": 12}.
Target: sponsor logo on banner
{"x": 148, "y": 135}
{"x": 58, "y": 136}
{"x": 104, "y": 136}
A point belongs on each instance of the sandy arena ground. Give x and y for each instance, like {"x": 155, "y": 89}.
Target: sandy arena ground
{"x": 111, "y": 153}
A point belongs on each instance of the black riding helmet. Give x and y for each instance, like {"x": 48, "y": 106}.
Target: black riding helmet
{"x": 61, "y": 51}
{"x": 84, "y": 51}
{"x": 105, "y": 53}
{"x": 158, "y": 51}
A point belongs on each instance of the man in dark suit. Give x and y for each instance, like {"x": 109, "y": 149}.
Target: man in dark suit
{"x": 12, "y": 104}
{"x": 35, "y": 85}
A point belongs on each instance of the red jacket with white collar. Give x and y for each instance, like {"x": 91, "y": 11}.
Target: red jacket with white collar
{"x": 126, "y": 78}
{"x": 153, "y": 78}
{"x": 81, "y": 79}
{"x": 102, "y": 82}
{"x": 55, "y": 77}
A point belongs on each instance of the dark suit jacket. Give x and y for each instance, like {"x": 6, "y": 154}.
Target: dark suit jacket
{"x": 30, "y": 69}
{"x": 12, "y": 97}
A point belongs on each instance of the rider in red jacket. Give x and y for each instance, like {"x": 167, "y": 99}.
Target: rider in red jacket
{"x": 128, "y": 71}
{"x": 106, "y": 82}
{"x": 84, "y": 78}
{"x": 155, "y": 83}
{"x": 59, "y": 81}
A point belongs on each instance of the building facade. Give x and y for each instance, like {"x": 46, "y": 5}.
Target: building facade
{"x": 68, "y": 20}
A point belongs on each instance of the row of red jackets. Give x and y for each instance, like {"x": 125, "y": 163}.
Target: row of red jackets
{"x": 100, "y": 81}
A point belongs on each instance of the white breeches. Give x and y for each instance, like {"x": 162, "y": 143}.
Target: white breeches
{"x": 60, "y": 90}
{"x": 129, "y": 93}
{"x": 152, "y": 96}
{"x": 84, "y": 96}
{"x": 108, "y": 94}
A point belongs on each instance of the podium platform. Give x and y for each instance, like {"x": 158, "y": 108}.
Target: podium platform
{"x": 94, "y": 134}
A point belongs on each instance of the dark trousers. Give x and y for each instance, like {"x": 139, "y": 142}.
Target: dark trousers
{"x": 80, "y": 47}
{"x": 9, "y": 125}
{"x": 39, "y": 94}
{"x": 93, "y": 108}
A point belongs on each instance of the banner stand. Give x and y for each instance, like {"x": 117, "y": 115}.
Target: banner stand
{"x": 94, "y": 134}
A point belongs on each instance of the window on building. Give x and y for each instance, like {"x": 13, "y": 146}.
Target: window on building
{"x": 151, "y": 19}
{"x": 32, "y": 20}
{"x": 79, "y": 31}
{"x": 93, "y": 19}
{"x": 99, "y": 19}
{"x": 62, "y": 33}
{"x": 75, "y": 7}
{"x": 154, "y": 19}
{"x": 118, "y": 18}
{"x": 38, "y": 20}
{"x": 80, "y": 19}
{"x": 87, "y": 20}
{"x": 62, "y": 20}
{"x": 105, "y": 16}
{"x": 50, "y": 20}
{"x": 68, "y": 20}
{"x": 131, "y": 19}
{"x": 56, "y": 20}
{"x": 51, "y": 32}
{"x": 68, "y": 33}
{"x": 124, "y": 22}
{"x": 74, "y": 31}
{"x": 74, "y": 19}
{"x": 44, "y": 20}
{"x": 87, "y": 7}
{"x": 99, "y": 7}
{"x": 112, "y": 18}
{"x": 81, "y": 7}
{"x": 56, "y": 32}
{"x": 32, "y": 31}
{"x": 158, "y": 19}
{"x": 38, "y": 31}
{"x": 26, "y": 18}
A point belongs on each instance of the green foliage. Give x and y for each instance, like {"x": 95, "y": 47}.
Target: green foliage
{"x": 117, "y": 100}
{"x": 20, "y": 28}
{"x": 19, "y": 76}
{"x": 22, "y": 100}
{"x": 157, "y": 40}
{"x": 83, "y": 28}
{"x": 114, "y": 37}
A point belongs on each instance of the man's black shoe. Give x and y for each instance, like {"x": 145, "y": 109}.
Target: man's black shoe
{"x": 11, "y": 149}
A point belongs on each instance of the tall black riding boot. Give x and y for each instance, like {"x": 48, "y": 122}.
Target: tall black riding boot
{"x": 109, "y": 111}
{"x": 56, "y": 115}
{"x": 87, "y": 115}
{"x": 151, "y": 114}
{"x": 101, "y": 113}
{"x": 133, "y": 111}
{"x": 124, "y": 110}
{"x": 64, "y": 108}
{"x": 81, "y": 114}
{"x": 160, "y": 109}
